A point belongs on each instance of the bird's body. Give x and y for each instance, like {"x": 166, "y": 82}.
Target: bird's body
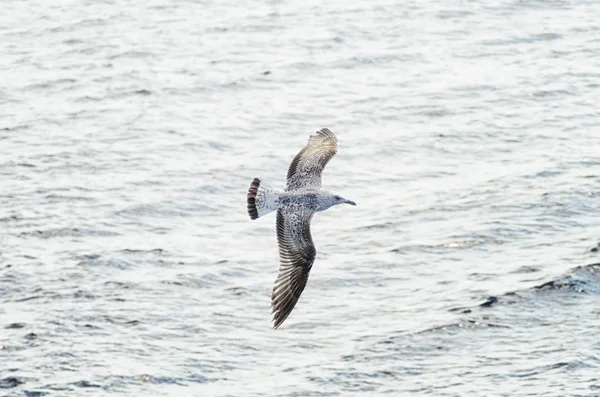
{"x": 314, "y": 200}
{"x": 295, "y": 206}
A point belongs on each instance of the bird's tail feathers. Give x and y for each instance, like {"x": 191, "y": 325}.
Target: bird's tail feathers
{"x": 262, "y": 199}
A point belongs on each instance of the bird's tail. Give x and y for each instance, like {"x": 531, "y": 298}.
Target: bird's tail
{"x": 262, "y": 199}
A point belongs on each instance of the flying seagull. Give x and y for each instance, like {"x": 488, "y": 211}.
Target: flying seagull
{"x": 296, "y": 205}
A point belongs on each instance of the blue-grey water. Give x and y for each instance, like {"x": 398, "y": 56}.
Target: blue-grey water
{"x": 469, "y": 138}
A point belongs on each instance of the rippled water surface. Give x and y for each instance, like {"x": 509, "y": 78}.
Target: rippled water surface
{"x": 469, "y": 138}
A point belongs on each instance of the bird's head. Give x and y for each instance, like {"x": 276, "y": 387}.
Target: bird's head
{"x": 340, "y": 200}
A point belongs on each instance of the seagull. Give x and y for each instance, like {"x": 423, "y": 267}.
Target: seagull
{"x": 295, "y": 206}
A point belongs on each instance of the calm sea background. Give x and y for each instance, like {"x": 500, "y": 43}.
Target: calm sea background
{"x": 469, "y": 138}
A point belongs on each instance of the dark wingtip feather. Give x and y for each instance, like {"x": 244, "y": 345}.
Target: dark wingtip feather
{"x": 251, "y": 198}
{"x": 283, "y": 310}
{"x": 282, "y": 314}
{"x": 277, "y": 324}
{"x": 326, "y": 133}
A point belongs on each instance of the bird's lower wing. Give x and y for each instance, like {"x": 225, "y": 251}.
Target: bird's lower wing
{"x": 296, "y": 256}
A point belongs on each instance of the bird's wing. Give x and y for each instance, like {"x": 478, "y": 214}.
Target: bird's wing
{"x": 296, "y": 256}
{"x": 307, "y": 167}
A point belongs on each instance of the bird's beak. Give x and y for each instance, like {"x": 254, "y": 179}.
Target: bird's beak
{"x": 350, "y": 202}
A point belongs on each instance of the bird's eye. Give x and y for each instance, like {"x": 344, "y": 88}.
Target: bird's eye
{"x": 337, "y": 197}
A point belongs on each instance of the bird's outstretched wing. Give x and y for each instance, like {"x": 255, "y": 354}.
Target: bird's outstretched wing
{"x": 307, "y": 167}
{"x": 296, "y": 256}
